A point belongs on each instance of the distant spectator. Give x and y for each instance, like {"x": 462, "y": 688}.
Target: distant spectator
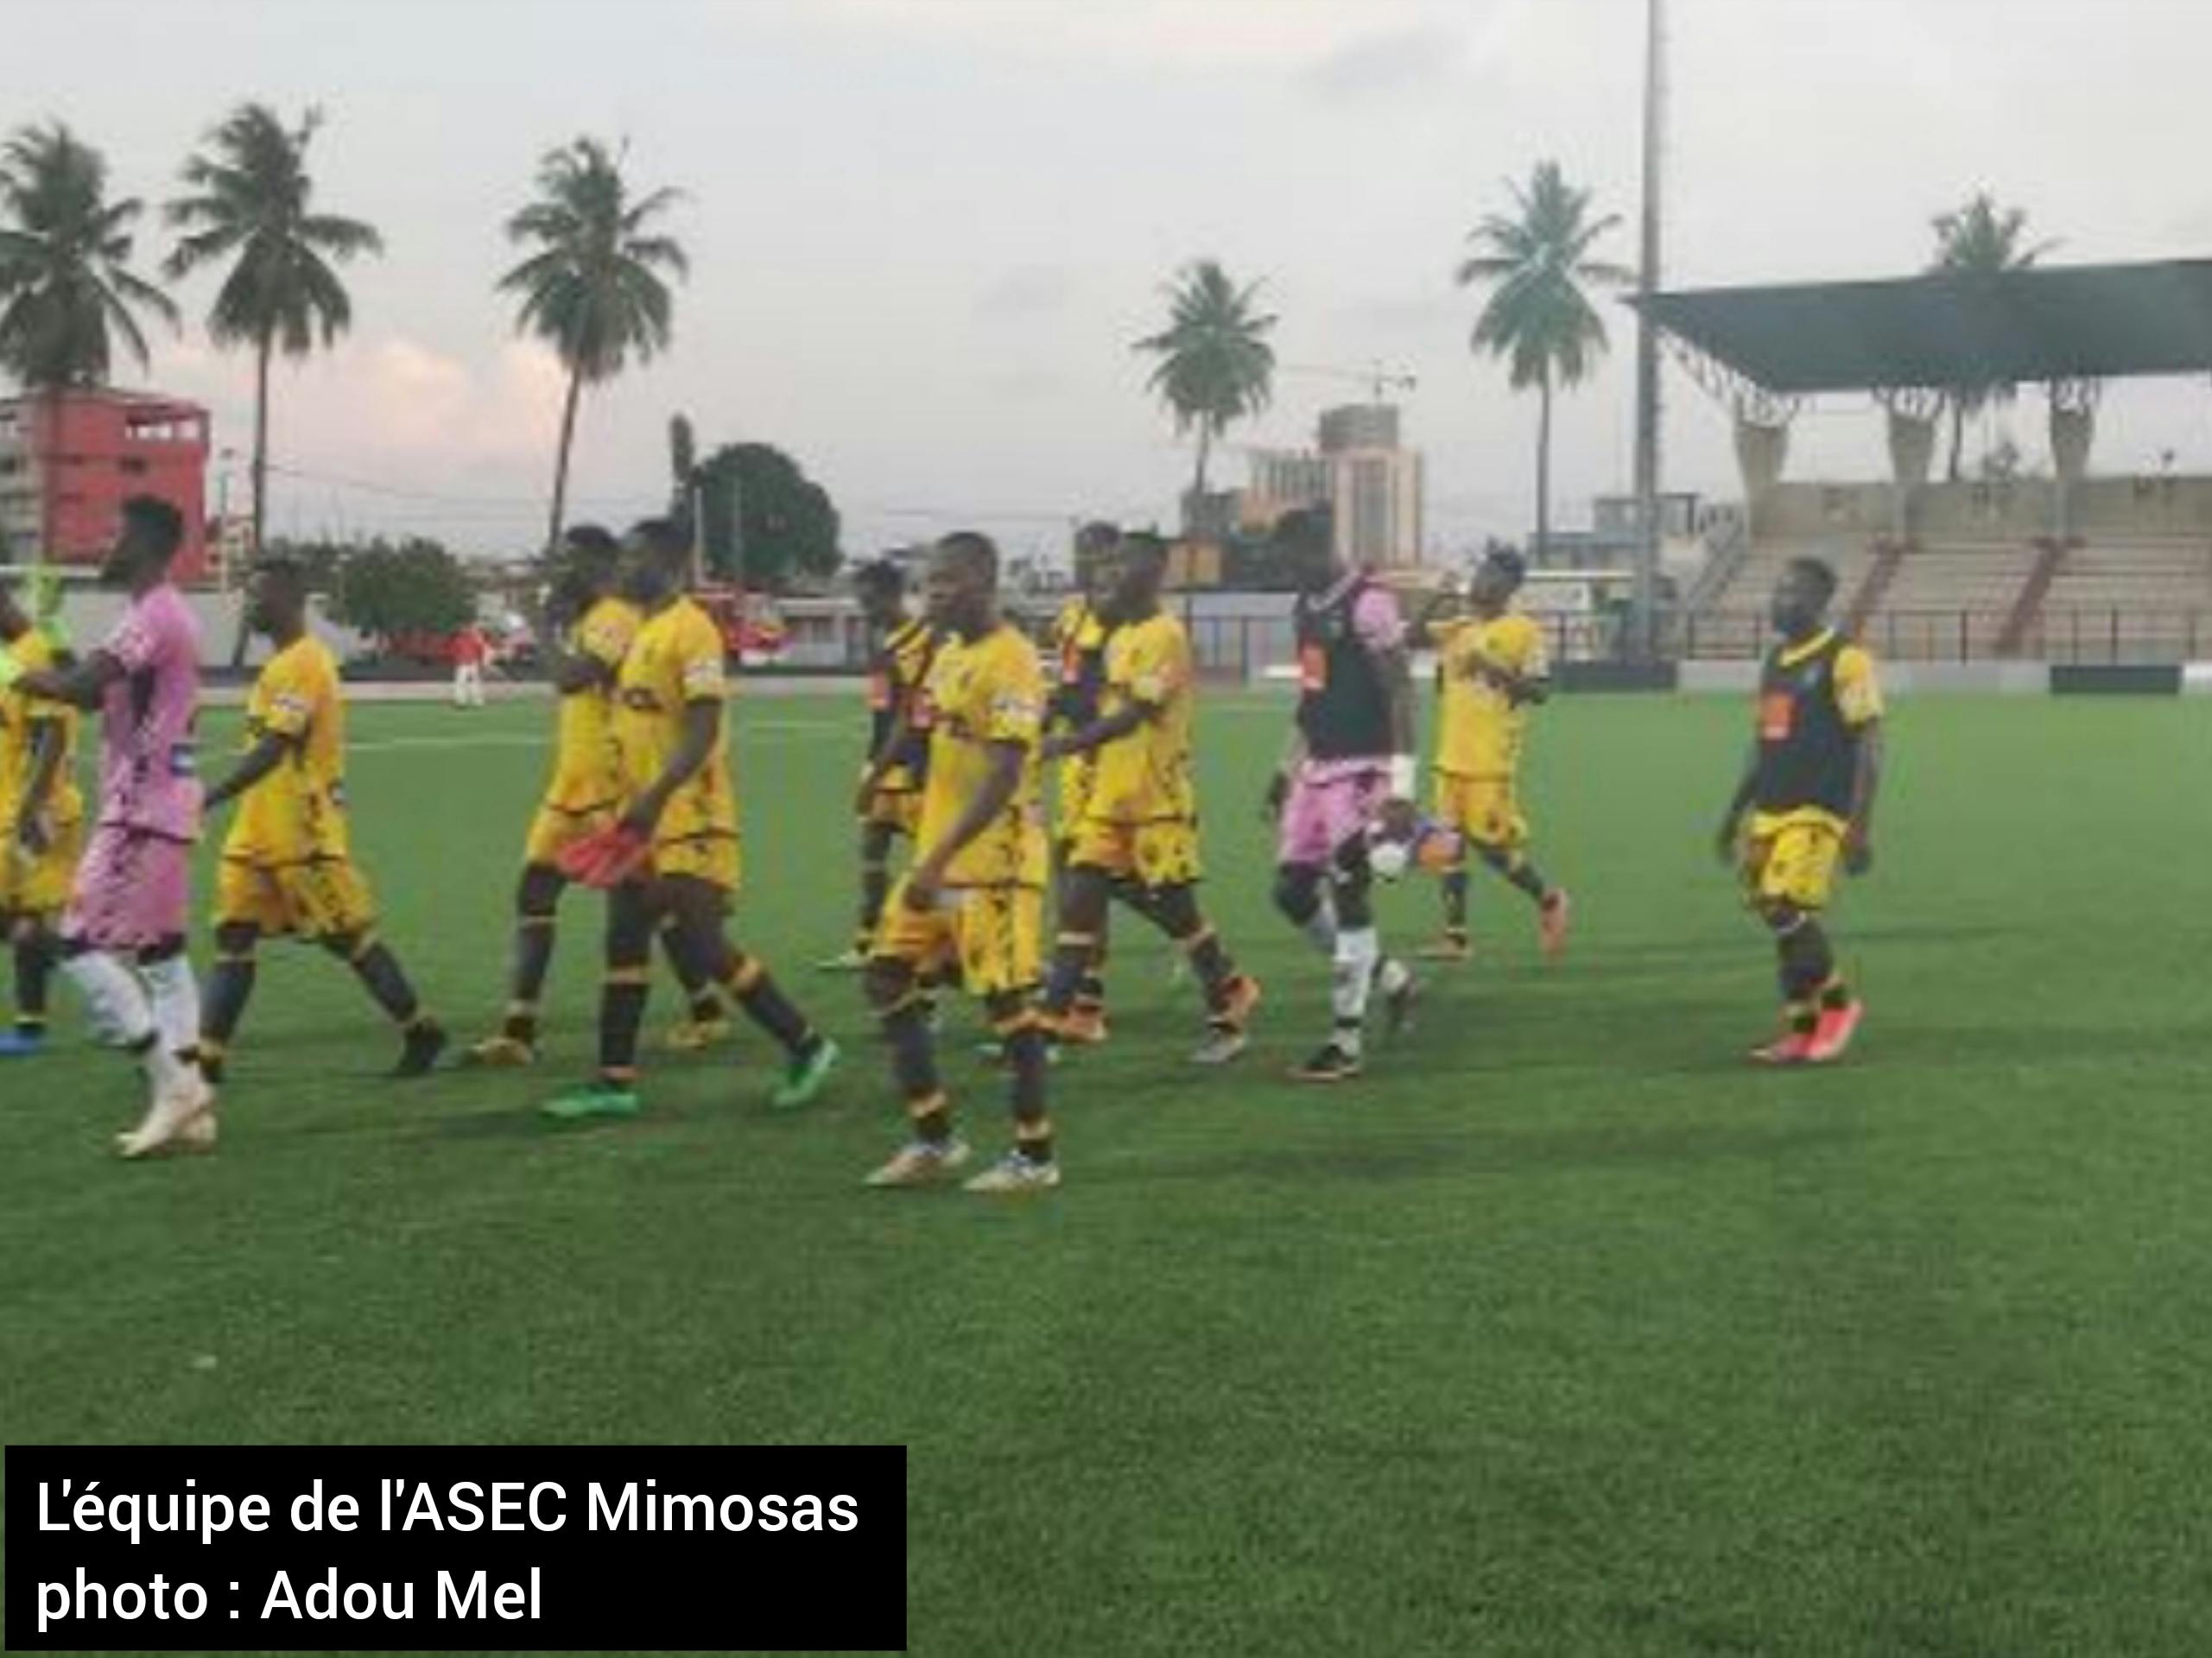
{"x": 471, "y": 651}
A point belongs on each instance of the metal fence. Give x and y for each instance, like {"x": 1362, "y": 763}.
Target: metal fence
{"x": 2097, "y": 638}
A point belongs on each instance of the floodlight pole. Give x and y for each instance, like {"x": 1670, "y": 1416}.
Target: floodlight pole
{"x": 1645, "y": 642}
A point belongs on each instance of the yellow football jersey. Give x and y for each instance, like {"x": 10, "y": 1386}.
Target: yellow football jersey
{"x": 1479, "y": 731}
{"x": 675, "y": 660}
{"x": 897, "y": 672}
{"x": 586, "y": 772}
{"x": 298, "y": 811}
{"x": 1145, "y": 776}
{"x": 19, "y": 717}
{"x": 1079, "y": 636}
{"x": 982, "y": 692}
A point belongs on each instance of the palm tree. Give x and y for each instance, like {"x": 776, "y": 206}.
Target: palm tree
{"x": 66, "y": 290}
{"x": 1216, "y": 364}
{"x": 1537, "y": 314}
{"x": 1981, "y": 239}
{"x": 590, "y": 291}
{"x": 251, "y": 205}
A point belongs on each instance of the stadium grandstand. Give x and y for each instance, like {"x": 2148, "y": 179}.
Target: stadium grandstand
{"x": 2069, "y": 568}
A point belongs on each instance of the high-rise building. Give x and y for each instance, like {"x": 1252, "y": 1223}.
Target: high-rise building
{"x": 1373, "y": 485}
{"x": 69, "y": 460}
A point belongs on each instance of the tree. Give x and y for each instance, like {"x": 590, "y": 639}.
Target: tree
{"x": 591, "y": 290}
{"x": 66, "y": 290}
{"x": 252, "y": 205}
{"x": 764, "y": 523}
{"x": 1981, "y": 239}
{"x": 1538, "y": 263}
{"x": 1214, "y": 364}
{"x": 414, "y": 586}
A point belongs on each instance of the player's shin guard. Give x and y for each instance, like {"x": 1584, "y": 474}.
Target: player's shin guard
{"x": 381, "y": 976}
{"x": 902, "y": 1007}
{"x": 1351, "y": 979}
{"x": 767, "y": 1006}
{"x": 230, "y": 987}
{"x": 1073, "y": 951}
{"x": 1806, "y": 967}
{"x": 1022, "y": 1034}
{"x": 35, "y": 959}
{"x": 1175, "y": 910}
{"x": 173, "y": 997}
{"x": 1455, "y": 891}
{"x": 1517, "y": 870}
{"x": 702, "y": 999}
{"x": 535, "y": 902}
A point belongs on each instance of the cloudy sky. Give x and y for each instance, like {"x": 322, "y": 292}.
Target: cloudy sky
{"x": 924, "y": 232}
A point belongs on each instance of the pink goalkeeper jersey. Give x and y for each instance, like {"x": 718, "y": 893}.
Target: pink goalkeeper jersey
{"x": 147, "y": 778}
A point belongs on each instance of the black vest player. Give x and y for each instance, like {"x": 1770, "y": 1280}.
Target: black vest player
{"x": 1349, "y": 769}
{"x": 1805, "y": 804}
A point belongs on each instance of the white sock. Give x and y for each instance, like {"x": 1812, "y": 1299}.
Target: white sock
{"x": 1353, "y": 977}
{"x": 173, "y": 994}
{"x": 113, "y": 995}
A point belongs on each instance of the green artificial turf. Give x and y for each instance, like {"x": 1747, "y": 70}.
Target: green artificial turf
{"x": 1565, "y": 1332}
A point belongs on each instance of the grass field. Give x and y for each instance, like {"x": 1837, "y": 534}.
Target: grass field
{"x": 1566, "y": 1333}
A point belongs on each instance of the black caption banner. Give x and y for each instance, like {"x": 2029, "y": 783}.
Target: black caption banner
{"x": 454, "y": 1548}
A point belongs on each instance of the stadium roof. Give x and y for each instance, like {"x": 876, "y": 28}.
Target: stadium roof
{"x": 2045, "y": 323}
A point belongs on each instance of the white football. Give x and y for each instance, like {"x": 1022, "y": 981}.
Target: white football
{"x": 1388, "y": 858}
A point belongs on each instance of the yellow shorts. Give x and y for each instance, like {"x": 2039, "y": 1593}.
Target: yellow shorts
{"x": 322, "y": 898}
{"x": 1072, "y": 798}
{"x": 1487, "y": 810}
{"x": 39, "y": 886}
{"x": 1790, "y": 857}
{"x": 557, "y": 828}
{"x": 995, "y": 934}
{"x": 897, "y": 810}
{"x": 711, "y": 856}
{"x": 1162, "y": 854}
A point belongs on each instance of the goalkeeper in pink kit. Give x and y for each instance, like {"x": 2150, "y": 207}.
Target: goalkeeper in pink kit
{"x": 123, "y": 936}
{"x": 1348, "y": 775}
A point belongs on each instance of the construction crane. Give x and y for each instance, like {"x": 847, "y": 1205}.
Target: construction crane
{"x": 1376, "y": 376}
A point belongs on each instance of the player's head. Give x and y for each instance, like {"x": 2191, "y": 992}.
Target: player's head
{"x": 1140, "y": 570}
{"x": 1304, "y": 546}
{"x": 880, "y": 585}
{"x": 277, "y": 598}
{"x": 584, "y": 569}
{"x": 654, "y": 554}
{"x": 152, "y": 532}
{"x": 1094, "y": 545}
{"x": 1497, "y": 579}
{"x": 14, "y": 623}
{"x": 963, "y": 582}
{"x": 1801, "y": 599}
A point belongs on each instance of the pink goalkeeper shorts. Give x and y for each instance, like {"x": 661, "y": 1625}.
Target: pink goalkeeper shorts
{"x": 1331, "y": 801}
{"x": 133, "y": 890}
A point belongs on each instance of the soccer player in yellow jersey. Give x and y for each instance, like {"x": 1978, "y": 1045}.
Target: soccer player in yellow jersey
{"x": 1809, "y": 788}
{"x": 975, "y": 893}
{"x": 288, "y": 862}
{"x": 1139, "y": 826}
{"x": 41, "y": 824}
{"x": 586, "y": 635}
{"x": 677, "y": 794}
{"x": 1491, "y": 669}
{"x": 1080, "y": 635}
{"x": 902, "y": 650}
